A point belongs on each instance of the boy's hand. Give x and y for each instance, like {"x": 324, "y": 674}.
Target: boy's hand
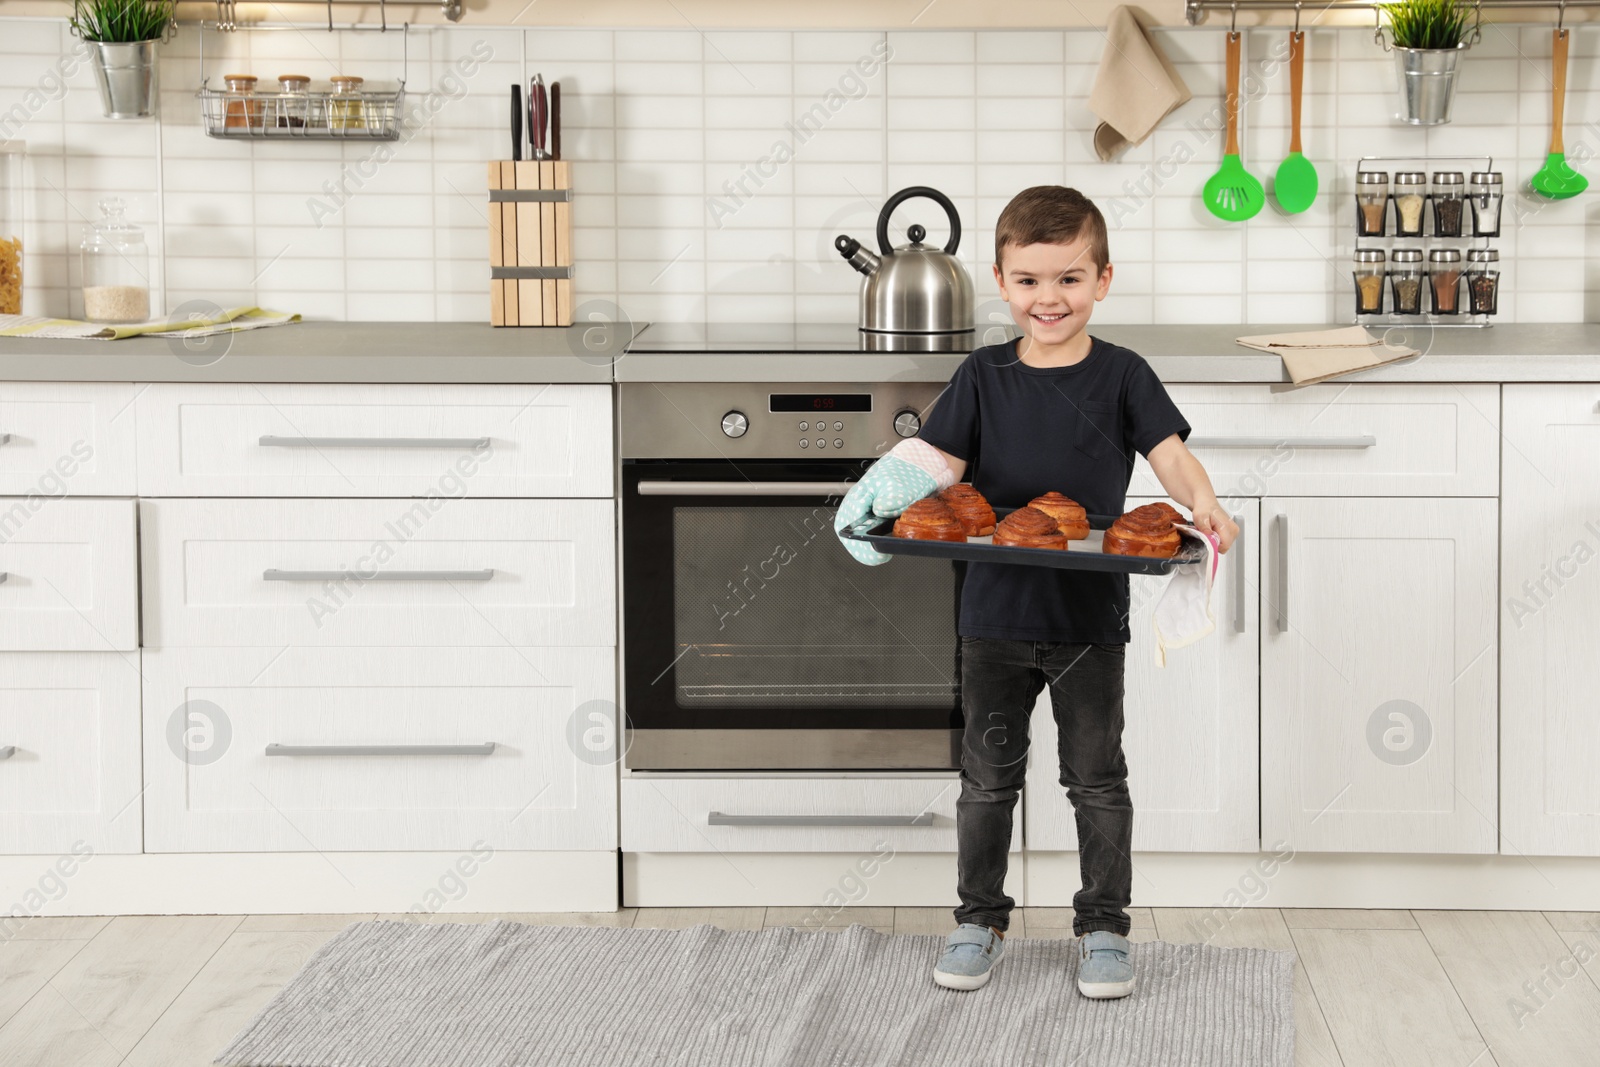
{"x": 1211, "y": 518}
{"x": 905, "y": 474}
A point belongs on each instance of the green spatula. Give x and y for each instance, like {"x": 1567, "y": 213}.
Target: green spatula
{"x": 1295, "y": 184}
{"x": 1232, "y": 193}
{"x": 1556, "y": 179}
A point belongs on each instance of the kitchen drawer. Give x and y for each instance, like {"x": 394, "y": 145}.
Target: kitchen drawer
{"x": 492, "y": 724}
{"x": 811, "y": 814}
{"x": 69, "y": 738}
{"x": 442, "y": 572}
{"x": 58, "y": 438}
{"x": 69, "y": 577}
{"x": 1340, "y": 440}
{"x": 375, "y": 440}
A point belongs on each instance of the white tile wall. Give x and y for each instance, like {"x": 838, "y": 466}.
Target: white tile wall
{"x": 713, "y": 171}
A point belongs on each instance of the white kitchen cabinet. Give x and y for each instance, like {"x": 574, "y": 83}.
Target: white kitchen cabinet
{"x": 69, "y": 752}
{"x": 69, "y": 578}
{"x": 60, "y": 438}
{"x": 378, "y": 572}
{"x": 1378, "y": 674}
{"x": 294, "y": 749}
{"x": 1550, "y": 621}
{"x": 1189, "y": 733}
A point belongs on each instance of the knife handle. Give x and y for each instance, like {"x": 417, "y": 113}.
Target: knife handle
{"x": 555, "y": 120}
{"x": 516, "y": 121}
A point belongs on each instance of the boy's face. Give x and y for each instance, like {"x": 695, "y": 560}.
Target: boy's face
{"x": 1052, "y": 288}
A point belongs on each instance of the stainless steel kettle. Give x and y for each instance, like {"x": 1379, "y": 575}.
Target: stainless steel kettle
{"x": 915, "y": 288}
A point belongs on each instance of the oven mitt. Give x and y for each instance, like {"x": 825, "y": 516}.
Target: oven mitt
{"x": 1183, "y": 614}
{"x": 903, "y": 475}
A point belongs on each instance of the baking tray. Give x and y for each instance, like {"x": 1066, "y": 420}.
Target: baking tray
{"x": 1084, "y": 555}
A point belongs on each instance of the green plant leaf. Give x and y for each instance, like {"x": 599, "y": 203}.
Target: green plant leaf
{"x": 122, "y": 21}
{"x": 1427, "y": 23}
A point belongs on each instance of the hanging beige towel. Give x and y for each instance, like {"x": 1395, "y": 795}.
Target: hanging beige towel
{"x": 1134, "y": 89}
{"x": 1317, "y": 355}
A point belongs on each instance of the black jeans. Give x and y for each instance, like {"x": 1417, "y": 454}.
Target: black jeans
{"x": 1000, "y": 680}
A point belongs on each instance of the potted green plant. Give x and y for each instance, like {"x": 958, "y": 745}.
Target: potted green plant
{"x": 1429, "y": 37}
{"x": 122, "y": 37}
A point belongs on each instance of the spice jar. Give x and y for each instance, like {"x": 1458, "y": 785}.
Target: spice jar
{"x": 294, "y": 104}
{"x": 243, "y": 110}
{"x": 1369, "y": 281}
{"x": 1483, "y": 280}
{"x": 1444, "y": 280}
{"x": 1486, "y": 200}
{"x": 1372, "y": 202}
{"x": 1410, "y": 187}
{"x": 1405, "y": 281}
{"x": 10, "y": 228}
{"x": 1447, "y": 203}
{"x": 116, "y": 268}
{"x": 346, "y": 111}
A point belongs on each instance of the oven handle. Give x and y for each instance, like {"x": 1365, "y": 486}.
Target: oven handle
{"x": 664, "y": 488}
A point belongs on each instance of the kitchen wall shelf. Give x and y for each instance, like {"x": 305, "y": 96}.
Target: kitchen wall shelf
{"x": 228, "y": 15}
{"x": 1194, "y": 11}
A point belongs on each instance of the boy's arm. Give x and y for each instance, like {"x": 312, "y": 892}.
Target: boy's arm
{"x": 1185, "y": 480}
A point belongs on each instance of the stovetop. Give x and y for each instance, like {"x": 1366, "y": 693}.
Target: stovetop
{"x": 797, "y": 337}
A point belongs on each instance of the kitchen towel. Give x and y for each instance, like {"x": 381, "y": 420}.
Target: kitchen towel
{"x": 1183, "y": 614}
{"x": 1134, "y": 89}
{"x": 1317, "y": 355}
{"x": 229, "y": 321}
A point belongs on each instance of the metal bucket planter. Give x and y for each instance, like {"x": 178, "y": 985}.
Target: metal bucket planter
{"x": 1427, "y": 83}
{"x": 126, "y": 74}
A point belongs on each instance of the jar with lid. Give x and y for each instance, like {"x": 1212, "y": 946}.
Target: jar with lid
{"x": 1410, "y": 187}
{"x": 1444, "y": 280}
{"x": 1372, "y": 202}
{"x": 294, "y": 101}
{"x": 10, "y": 228}
{"x": 1483, "y": 280}
{"x": 243, "y": 110}
{"x": 116, "y": 268}
{"x": 346, "y": 109}
{"x": 1448, "y": 203}
{"x": 1486, "y": 198}
{"x": 1369, "y": 281}
{"x": 1405, "y": 281}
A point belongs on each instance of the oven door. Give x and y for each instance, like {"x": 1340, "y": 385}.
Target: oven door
{"x": 753, "y": 640}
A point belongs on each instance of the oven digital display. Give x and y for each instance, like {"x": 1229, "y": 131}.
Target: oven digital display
{"x": 780, "y": 402}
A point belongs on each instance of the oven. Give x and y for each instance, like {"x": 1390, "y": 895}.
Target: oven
{"x": 751, "y": 639}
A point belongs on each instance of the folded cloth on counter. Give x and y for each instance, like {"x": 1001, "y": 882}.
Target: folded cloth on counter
{"x": 1183, "y": 614}
{"x": 229, "y": 321}
{"x": 1316, "y": 355}
{"x": 1134, "y": 89}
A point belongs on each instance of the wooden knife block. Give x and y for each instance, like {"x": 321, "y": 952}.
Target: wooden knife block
{"x": 530, "y": 243}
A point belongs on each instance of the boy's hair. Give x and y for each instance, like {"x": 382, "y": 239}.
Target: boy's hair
{"x": 1052, "y": 214}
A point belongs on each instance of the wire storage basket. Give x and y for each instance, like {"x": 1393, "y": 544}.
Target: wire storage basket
{"x": 316, "y": 116}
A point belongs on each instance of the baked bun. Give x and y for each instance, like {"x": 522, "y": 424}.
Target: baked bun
{"x": 1068, "y": 513}
{"x": 1147, "y": 530}
{"x": 1029, "y": 528}
{"x": 929, "y": 519}
{"x": 976, "y": 516}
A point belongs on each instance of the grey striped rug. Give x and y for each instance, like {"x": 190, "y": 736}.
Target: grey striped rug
{"x": 502, "y": 994}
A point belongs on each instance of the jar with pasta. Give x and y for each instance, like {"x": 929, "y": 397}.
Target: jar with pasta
{"x": 10, "y": 229}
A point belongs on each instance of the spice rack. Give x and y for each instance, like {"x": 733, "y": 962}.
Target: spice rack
{"x": 1476, "y": 268}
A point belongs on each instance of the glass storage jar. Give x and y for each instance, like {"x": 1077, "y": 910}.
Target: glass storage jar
{"x": 1405, "y": 280}
{"x": 1483, "y": 280}
{"x": 1444, "y": 280}
{"x": 243, "y": 110}
{"x": 294, "y": 101}
{"x": 116, "y": 268}
{"x": 1410, "y": 188}
{"x": 1372, "y": 202}
{"x": 346, "y": 109}
{"x": 1369, "y": 281}
{"x": 10, "y": 228}
{"x": 1448, "y": 203}
{"x": 1486, "y": 197}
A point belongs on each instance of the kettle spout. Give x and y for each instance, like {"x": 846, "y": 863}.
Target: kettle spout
{"x": 862, "y": 259}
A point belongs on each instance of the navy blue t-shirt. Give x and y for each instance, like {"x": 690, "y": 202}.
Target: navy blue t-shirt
{"x": 1027, "y": 430}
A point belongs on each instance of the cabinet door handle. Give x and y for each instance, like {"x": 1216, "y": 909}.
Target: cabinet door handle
{"x": 272, "y": 441}
{"x": 1238, "y": 578}
{"x": 5, "y": 439}
{"x": 1281, "y": 525}
{"x": 3, "y": 576}
{"x": 272, "y": 574}
{"x": 1361, "y": 441}
{"x": 717, "y": 818}
{"x": 381, "y": 750}
{"x": 667, "y": 488}
{"x": 7, "y": 751}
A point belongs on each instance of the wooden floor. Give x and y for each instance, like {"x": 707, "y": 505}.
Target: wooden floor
{"x": 1408, "y": 988}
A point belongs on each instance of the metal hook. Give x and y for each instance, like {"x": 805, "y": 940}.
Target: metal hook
{"x": 1233, "y": 20}
{"x": 1477, "y": 23}
{"x": 1377, "y": 27}
{"x": 1561, "y": 14}
{"x": 1297, "y": 5}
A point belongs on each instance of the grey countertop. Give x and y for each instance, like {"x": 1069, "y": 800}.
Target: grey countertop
{"x": 475, "y": 353}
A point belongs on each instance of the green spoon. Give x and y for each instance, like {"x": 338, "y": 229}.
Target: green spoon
{"x": 1556, "y": 179}
{"x": 1232, "y": 193}
{"x": 1295, "y": 185}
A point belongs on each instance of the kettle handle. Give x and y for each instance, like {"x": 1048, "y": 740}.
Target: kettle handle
{"x": 910, "y": 193}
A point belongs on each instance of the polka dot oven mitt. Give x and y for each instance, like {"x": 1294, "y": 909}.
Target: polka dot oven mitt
{"x": 905, "y": 474}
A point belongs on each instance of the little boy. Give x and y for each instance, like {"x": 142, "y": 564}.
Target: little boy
{"x": 1055, "y": 409}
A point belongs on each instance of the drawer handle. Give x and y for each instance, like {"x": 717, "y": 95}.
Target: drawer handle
{"x": 717, "y": 818}
{"x": 3, "y": 576}
{"x": 7, "y": 751}
{"x": 381, "y": 750}
{"x": 1282, "y": 524}
{"x": 272, "y": 441}
{"x": 663, "y": 488}
{"x": 1238, "y": 578}
{"x": 5, "y": 439}
{"x": 1363, "y": 441}
{"x": 272, "y": 574}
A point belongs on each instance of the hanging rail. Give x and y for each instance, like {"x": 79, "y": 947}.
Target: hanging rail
{"x": 1194, "y": 10}
{"x": 228, "y": 15}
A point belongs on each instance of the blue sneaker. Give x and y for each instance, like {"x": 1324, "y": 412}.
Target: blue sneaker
{"x": 969, "y": 957}
{"x": 1104, "y": 968}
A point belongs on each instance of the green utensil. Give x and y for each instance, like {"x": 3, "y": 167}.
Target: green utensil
{"x": 1295, "y": 184}
{"x": 1556, "y": 179}
{"x": 1232, "y": 193}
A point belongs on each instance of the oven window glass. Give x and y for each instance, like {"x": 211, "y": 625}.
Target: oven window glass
{"x": 771, "y": 612}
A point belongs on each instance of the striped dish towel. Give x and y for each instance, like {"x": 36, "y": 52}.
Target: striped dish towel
{"x": 228, "y": 321}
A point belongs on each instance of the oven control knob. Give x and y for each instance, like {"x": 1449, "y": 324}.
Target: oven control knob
{"x": 907, "y": 423}
{"x": 734, "y": 424}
